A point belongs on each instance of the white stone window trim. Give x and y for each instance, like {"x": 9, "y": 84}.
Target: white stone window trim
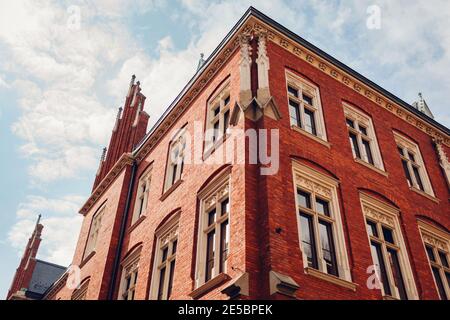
{"x": 217, "y": 190}
{"x": 358, "y": 117}
{"x": 437, "y": 239}
{"x": 408, "y": 145}
{"x": 387, "y": 215}
{"x": 94, "y": 231}
{"x": 142, "y": 194}
{"x": 130, "y": 268}
{"x": 310, "y": 180}
{"x": 178, "y": 143}
{"x": 217, "y": 100}
{"x": 305, "y": 86}
{"x": 165, "y": 237}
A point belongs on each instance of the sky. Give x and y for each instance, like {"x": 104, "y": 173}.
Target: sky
{"x": 65, "y": 67}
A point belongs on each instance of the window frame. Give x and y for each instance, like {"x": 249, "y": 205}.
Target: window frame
{"x": 408, "y": 146}
{"x": 218, "y": 100}
{"x": 142, "y": 194}
{"x": 175, "y": 168}
{"x": 384, "y": 214}
{"x": 439, "y": 240}
{"x": 359, "y": 119}
{"x": 305, "y": 87}
{"x": 212, "y": 196}
{"x": 130, "y": 268}
{"x": 95, "y": 226}
{"x": 166, "y": 235}
{"x": 325, "y": 188}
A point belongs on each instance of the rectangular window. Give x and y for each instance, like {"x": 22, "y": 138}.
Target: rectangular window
{"x": 362, "y": 137}
{"x": 129, "y": 278}
{"x": 94, "y": 231}
{"x": 165, "y": 260}
{"x": 214, "y": 228}
{"x": 305, "y": 109}
{"x": 175, "y": 161}
{"x": 143, "y": 189}
{"x": 413, "y": 165}
{"x": 320, "y": 226}
{"x": 218, "y": 116}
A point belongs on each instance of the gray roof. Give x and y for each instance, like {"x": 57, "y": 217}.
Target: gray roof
{"x": 44, "y": 275}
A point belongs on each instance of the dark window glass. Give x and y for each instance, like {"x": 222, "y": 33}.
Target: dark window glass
{"x": 322, "y": 207}
{"x": 215, "y": 130}
{"x": 363, "y": 130}
{"x": 310, "y": 124}
{"x": 430, "y": 253}
{"x": 216, "y": 110}
{"x": 227, "y": 100}
{"x": 308, "y": 99}
{"x": 366, "y": 145}
{"x": 210, "y": 254}
{"x": 354, "y": 144}
{"x": 162, "y": 275}
{"x": 443, "y": 258}
{"x": 447, "y": 275}
{"x": 172, "y": 270}
{"x": 308, "y": 242}
{"x": 380, "y": 265}
{"x": 226, "y": 121}
{"x": 411, "y": 157}
{"x": 406, "y": 170}
{"x": 225, "y": 206}
{"x": 400, "y": 150}
{"x": 304, "y": 199}
{"x": 329, "y": 254}
{"x": 350, "y": 123}
{"x": 174, "y": 246}
{"x": 293, "y": 91}
{"x": 439, "y": 283}
{"x": 224, "y": 231}
{"x": 418, "y": 178}
{"x": 211, "y": 217}
{"x": 397, "y": 273}
{"x": 164, "y": 254}
{"x": 372, "y": 228}
{"x": 294, "y": 113}
{"x": 388, "y": 235}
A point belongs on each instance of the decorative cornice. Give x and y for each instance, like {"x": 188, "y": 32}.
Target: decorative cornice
{"x": 443, "y": 160}
{"x": 126, "y": 159}
{"x": 257, "y": 26}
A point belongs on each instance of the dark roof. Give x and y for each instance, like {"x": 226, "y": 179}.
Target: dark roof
{"x": 44, "y": 275}
{"x": 251, "y": 11}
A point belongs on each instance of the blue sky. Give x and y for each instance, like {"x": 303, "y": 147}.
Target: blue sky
{"x": 60, "y": 85}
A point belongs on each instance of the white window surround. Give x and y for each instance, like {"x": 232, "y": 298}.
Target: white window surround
{"x": 409, "y": 146}
{"x": 130, "y": 268}
{"x": 175, "y": 159}
{"x": 142, "y": 193}
{"x": 310, "y": 180}
{"x": 386, "y": 215}
{"x": 360, "y": 118}
{"x": 311, "y": 90}
{"x": 94, "y": 231}
{"x": 212, "y": 195}
{"x": 218, "y": 116}
{"x": 437, "y": 239}
{"x": 166, "y": 236}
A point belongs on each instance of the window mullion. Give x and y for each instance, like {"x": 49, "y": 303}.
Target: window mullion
{"x": 411, "y": 173}
{"x": 389, "y": 271}
{"x": 319, "y": 253}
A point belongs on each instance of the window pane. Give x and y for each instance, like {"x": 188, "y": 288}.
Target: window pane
{"x": 322, "y": 207}
{"x": 372, "y": 228}
{"x": 215, "y": 130}
{"x": 227, "y": 100}
{"x": 162, "y": 275}
{"x": 164, "y": 254}
{"x": 368, "y": 151}
{"x": 210, "y": 244}
{"x": 411, "y": 157}
{"x": 329, "y": 254}
{"x": 354, "y": 145}
{"x": 308, "y": 99}
{"x": 226, "y": 120}
{"x": 443, "y": 258}
{"x": 388, "y": 234}
{"x": 418, "y": 178}
{"x": 211, "y": 217}
{"x": 224, "y": 234}
{"x": 400, "y": 150}
{"x": 293, "y": 91}
{"x": 172, "y": 270}
{"x": 304, "y": 199}
{"x": 350, "y": 123}
{"x": 363, "y": 130}
{"x": 406, "y": 170}
{"x": 216, "y": 110}
{"x": 310, "y": 124}
{"x": 308, "y": 242}
{"x": 430, "y": 253}
{"x": 225, "y": 207}
{"x": 397, "y": 273}
{"x": 439, "y": 283}
{"x": 380, "y": 266}
{"x": 174, "y": 247}
{"x": 294, "y": 113}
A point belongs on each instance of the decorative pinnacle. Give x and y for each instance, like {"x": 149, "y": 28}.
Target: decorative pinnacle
{"x": 201, "y": 61}
{"x": 103, "y": 154}
{"x": 38, "y": 219}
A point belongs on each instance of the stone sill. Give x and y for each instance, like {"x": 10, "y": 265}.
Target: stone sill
{"x": 210, "y": 150}
{"x": 86, "y": 259}
{"x": 207, "y": 286}
{"x": 424, "y": 194}
{"x": 170, "y": 190}
{"x": 368, "y": 165}
{"x": 136, "y": 223}
{"x": 309, "y": 135}
{"x": 330, "y": 278}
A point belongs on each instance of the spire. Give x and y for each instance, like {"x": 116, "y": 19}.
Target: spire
{"x": 103, "y": 154}
{"x": 201, "y": 61}
{"x": 133, "y": 77}
{"x": 102, "y": 159}
{"x": 422, "y": 106}
{"x": 119, "y": 114}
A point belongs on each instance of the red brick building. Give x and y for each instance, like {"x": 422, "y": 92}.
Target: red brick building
{"x": 358, "y": 188}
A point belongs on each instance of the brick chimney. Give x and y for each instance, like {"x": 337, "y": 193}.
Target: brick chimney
{"x": 25, "y": 270}
{"x": 129, "y": 129}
